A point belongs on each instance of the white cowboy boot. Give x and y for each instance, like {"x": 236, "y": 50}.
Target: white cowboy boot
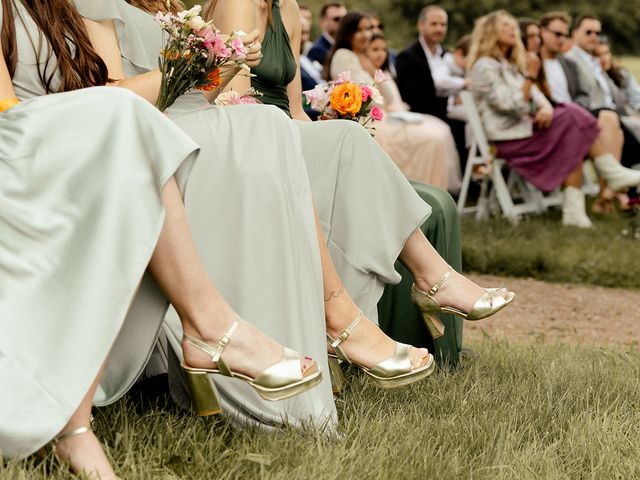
{"x": 618, "y": 178}
{"x": 573, "y": 209}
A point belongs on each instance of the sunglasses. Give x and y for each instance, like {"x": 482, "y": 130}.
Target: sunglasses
{"x": 593, "y": 32}
{"x": 337, "y": 19}
{"x": 558, "y": 35}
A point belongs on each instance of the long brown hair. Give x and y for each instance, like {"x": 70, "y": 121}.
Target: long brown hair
{"x": 210, "y": 6}
{"x": 155, "y": 6}
{"x": 60, "y": 23}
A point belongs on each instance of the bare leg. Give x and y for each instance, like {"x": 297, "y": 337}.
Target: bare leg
{"x": 575, "y": 178}
{"x": 368, "y": 345}
{"x": 83, "y": 452}
{"x": 204, "y": 315}
{"x": 202, "y": 310}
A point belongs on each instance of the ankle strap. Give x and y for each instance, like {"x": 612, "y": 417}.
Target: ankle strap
{"x": 438, "y": 285}
{"x": 63, "y": 436}
{"x": 216, "y": 353}
{"x": 335, "y": 342}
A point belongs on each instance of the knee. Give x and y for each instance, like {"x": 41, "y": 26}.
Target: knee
{"x": 609, "y": 120}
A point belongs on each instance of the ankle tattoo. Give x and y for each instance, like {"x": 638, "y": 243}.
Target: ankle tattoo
{"x": 333, "y": 294}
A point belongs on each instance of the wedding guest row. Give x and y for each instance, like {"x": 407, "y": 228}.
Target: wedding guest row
{"x": 100, "y": 230}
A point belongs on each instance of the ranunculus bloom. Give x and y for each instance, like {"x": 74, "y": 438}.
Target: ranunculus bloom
{"x": 366, "y": 92}
{"x": 377, "y": 114}
{"x": 346, "y": 99}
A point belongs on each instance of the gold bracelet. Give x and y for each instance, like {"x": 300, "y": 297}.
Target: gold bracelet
{"x": 8, "y": 103}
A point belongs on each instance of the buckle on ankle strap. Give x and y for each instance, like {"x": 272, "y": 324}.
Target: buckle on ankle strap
{"x": 438, "y": 285}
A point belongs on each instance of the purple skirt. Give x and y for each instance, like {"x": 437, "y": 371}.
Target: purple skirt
{"x": 548, "y": 157}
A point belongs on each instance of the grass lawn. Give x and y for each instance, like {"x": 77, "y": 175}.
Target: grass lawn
{"x": 536, "y": 411}
{"x": 540, "y": 247}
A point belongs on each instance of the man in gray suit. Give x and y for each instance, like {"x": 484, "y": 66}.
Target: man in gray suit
{"x": 595, "y": 92}
{"x": 569, "y": 83}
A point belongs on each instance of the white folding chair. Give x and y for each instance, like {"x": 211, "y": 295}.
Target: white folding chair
{"x": 513, "y": 196}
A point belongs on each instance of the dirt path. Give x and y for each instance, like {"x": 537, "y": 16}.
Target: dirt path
{"x": 563, "y": 313}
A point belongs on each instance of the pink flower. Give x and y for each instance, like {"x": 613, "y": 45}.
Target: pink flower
{"x": 380, "y": 76}
{"x": 343, "y": 77}
{"x": 366, "y": 92}
{"x": 207, "y": 35}
{"x": 218, "y": 48}
{"x": 317, "y": 98}
{"x": 377, "y": 114}
{"x": 239, "y": 50}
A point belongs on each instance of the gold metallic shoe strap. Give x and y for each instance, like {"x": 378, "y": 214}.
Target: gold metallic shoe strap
{"x": 63, "y": 436}
{"x": 216, "y": 353}
{"x": 335, "y": 342}
{"x": 445, "y": 276}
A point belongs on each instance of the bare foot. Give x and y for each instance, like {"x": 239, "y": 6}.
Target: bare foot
{"x": 240, "y": 353}
{"x": 85, "y": 456}
{"x": 367, "y": 345}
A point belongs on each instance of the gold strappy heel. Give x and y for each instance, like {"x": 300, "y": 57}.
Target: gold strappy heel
{"x": 282, "y": 380}
{"x": 491, "y": 301}
{"x": 393, "y": 372}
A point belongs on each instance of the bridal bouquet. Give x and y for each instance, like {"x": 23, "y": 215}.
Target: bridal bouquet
{"x": 344, "y": 99}
{"x": 194, "y": 54}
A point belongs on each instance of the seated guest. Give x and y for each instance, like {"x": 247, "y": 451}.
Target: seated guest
{"x": 378, "y": 54}
{"x": 423, "y": 151}
{"x": 310, "y": 74}
{"x": 627, "y": 90}
{"x": 378, "y": 29}
{"x": 305, "y": 12}
{"x": 544, "y": 145}
{"x": 563, "y": 80}
{"x": 530, "y": 35}
{"x": 330, "y": 16}
{"x": 594, "y": 90}
{"x": 423, "y": 78}
{"x": 457, "y": 64}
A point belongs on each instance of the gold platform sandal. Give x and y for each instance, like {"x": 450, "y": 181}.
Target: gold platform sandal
{"x": 282, "y": 380}
{"x": 395, "y": 371}
{"x": 491, "y": 301}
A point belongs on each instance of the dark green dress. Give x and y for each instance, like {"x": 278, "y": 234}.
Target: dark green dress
{"x": 367, "y": 208}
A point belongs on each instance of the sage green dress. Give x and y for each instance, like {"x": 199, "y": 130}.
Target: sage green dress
{"x": 80, "y": 214}
{"x": 250, "y": 209}
{"x": 366, "y": 206}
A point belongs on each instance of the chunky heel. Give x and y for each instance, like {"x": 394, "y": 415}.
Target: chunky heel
{"x": 433, "y": 324}
{"x": 203, "y": 392}
{"x": 338, "y": 382}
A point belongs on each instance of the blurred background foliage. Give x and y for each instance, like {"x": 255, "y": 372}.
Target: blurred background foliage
{"x": 620, "y": 18}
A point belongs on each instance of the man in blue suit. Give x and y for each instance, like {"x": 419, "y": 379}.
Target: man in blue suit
{"x": 330, "y": 16}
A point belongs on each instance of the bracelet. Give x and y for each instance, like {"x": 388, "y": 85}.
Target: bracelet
{"x": 8, "y": 103}
{"x": 531, "y": 79}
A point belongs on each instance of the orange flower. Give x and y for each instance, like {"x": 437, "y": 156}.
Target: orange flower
{"x": 214, "y": 81}
{"x": 346, "y": 99}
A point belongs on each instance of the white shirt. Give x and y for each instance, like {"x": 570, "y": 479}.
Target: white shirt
{"x": 445, "y": 82}
{"x": 557, "y": 81}
{"x": 599, "y": 75}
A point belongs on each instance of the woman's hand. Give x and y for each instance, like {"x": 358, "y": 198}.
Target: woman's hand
{"x": 533, "y": 65}
{"x": 543, "y": 117}
{"x": 254, "y": 48}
